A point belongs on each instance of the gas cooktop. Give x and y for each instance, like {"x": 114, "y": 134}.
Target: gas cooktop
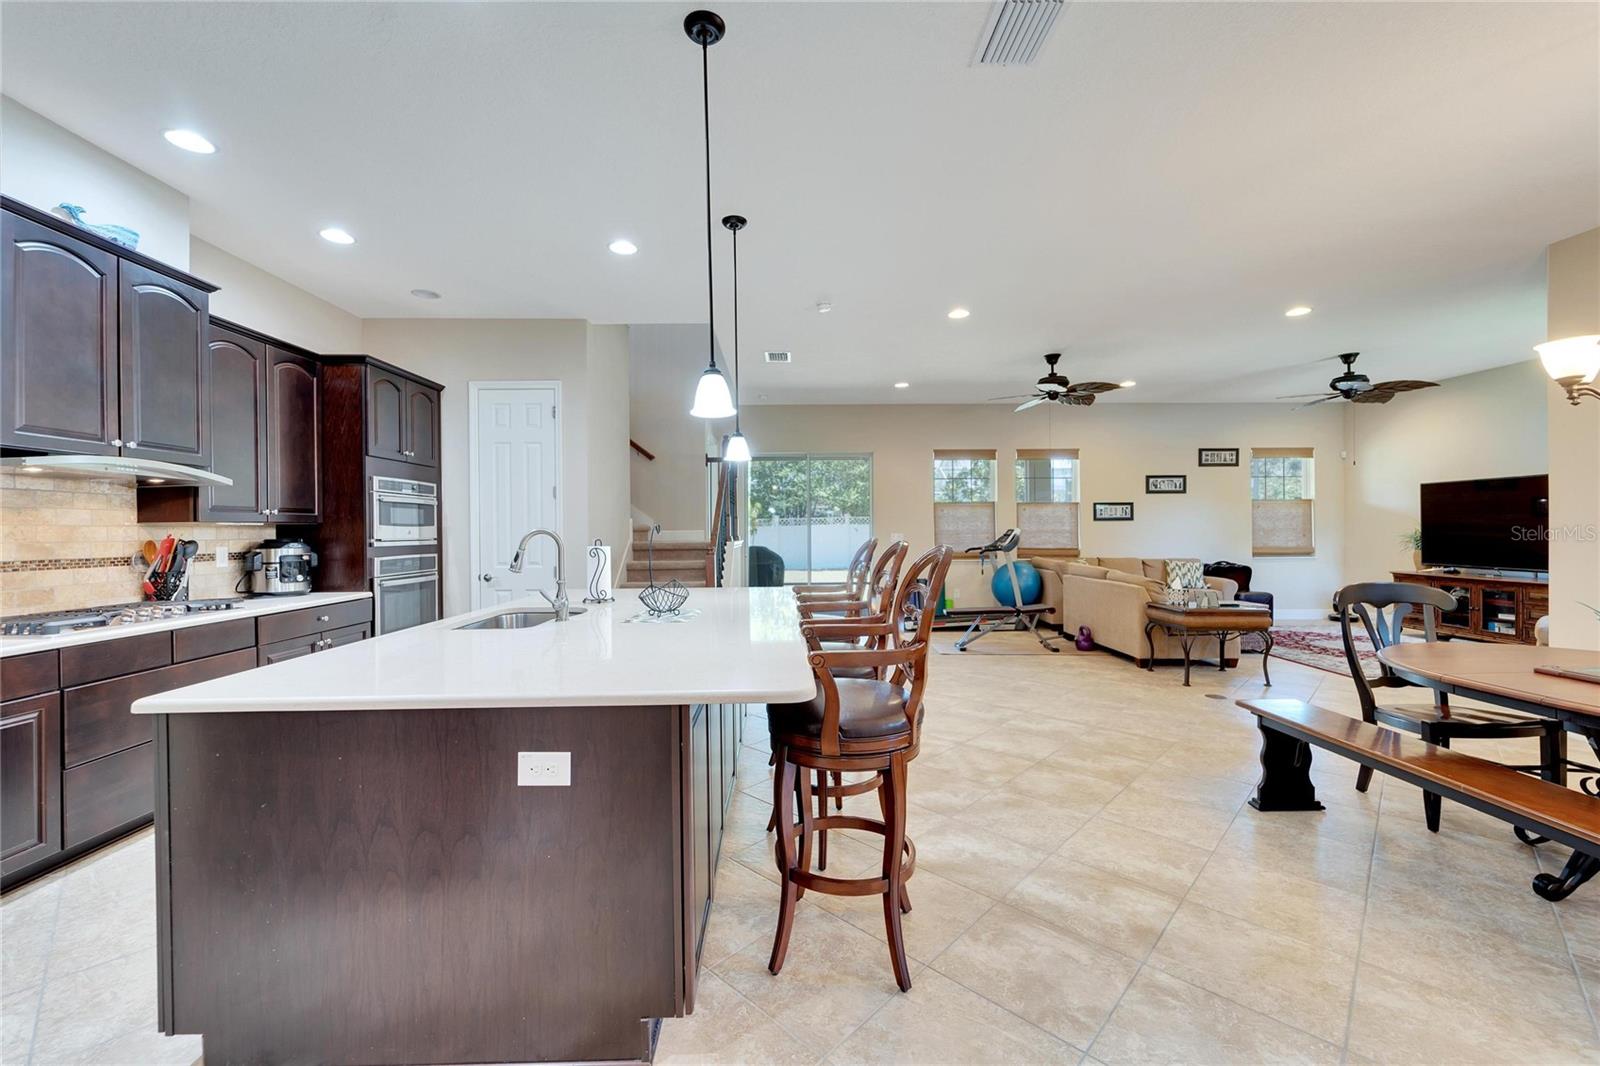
{"x": 120, "y": 614}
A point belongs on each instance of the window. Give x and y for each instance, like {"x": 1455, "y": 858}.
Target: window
{"x": 1282, "y": 488}
{"x": 812, "y": 510}
{"x": 963, "y": 498}
{"x": 1047, "y": 498}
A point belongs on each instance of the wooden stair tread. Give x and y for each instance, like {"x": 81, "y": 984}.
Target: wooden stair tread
{"x": 1498, "y": 785}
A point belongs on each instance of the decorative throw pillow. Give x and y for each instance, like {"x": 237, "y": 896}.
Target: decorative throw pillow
{"x": 1185, "y": 574}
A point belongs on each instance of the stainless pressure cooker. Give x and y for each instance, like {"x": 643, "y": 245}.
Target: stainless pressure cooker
{"x": 280, "y": 568}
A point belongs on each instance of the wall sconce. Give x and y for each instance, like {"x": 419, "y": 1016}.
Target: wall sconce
{"x": 1572, "y": 363}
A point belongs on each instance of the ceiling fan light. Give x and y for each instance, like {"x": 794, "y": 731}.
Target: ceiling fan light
{"x": 711, "y": 396}
{"x": 737, "y": 449}
{"x": 1571, "y": 357}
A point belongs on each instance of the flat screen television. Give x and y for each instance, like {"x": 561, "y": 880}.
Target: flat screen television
{"x": 1493, "y": 523}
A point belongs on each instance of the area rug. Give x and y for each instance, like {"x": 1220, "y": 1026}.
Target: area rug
{"x": 1322, "y": 649}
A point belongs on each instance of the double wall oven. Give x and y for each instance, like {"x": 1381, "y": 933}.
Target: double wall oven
{"x": 405, "y": 585}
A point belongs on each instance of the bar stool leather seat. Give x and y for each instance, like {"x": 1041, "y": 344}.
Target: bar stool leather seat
{"x": 868, "y": 710}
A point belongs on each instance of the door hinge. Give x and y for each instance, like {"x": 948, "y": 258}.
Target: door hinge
{"x": 552, "y": 492}
{"x": 552, "y": 410}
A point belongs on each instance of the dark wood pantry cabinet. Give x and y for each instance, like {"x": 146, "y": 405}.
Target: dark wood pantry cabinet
{"x": 101, "y": 348}
{"x": 294, "y": 437}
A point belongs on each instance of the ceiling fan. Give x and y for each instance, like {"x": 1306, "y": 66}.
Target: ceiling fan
{"x": 1055, "y": 388}
{"x": 1357, "y": 388}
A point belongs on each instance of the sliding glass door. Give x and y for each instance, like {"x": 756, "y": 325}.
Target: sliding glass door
{"x": 811, "y": 511}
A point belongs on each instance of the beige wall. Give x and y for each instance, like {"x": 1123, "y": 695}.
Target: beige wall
{"x": 608, "y": 468}
{"x": 1574, "y": 435}
{"x": 456, "y": 352}
{"x": 251, "y": 297}
{"x": 43, "y": 165}
{"x": 1490, "y": 424}
{"x": 666, "y": 361}
{"x": 1119, "y": 444}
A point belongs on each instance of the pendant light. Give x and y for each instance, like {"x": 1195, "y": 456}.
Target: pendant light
{"x": 711, "y": 396}
{"x": 736, "y": 449}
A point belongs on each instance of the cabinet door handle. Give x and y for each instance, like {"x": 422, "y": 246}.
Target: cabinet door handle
{"x": 133, "y": 444}
{"x": 322, "y": 618}
{"x": 117, "y": 443}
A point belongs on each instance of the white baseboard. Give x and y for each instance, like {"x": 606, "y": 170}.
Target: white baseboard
{"x": 1303, "y": 614}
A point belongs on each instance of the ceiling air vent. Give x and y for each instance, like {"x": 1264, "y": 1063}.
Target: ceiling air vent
{"x": 1016, "y": 30}
{"x": 780, "y": 357}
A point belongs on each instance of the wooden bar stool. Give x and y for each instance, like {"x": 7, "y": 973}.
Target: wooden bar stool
{"x": 856, "y": 724}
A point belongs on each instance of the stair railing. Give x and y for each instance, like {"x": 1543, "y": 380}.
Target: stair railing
{"x": 724, "y": 512}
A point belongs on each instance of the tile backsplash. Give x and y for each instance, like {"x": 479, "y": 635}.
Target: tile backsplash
{"x": 68, "y": 542}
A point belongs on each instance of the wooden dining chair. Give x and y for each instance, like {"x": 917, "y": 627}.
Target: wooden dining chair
{"x": 1437, "y": 722}
{"x": 855, "y": 576}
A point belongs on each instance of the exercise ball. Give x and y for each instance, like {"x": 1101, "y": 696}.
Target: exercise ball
{"x": 1029, "y": 583}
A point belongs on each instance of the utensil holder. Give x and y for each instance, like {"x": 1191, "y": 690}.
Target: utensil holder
{"x": 169, "y": 586}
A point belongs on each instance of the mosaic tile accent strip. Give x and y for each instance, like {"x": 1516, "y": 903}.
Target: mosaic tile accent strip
{"x": 17, "y": 566}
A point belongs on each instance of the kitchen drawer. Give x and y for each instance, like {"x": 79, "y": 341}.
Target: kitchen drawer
{"x": 213, "y": 639}
{"x": 272, "y": 628}
{"x": 115, "y": 658}
{"x": 107, "y": 794}
{"x": 97, "y": 718}
{"x": 29, "y": 675}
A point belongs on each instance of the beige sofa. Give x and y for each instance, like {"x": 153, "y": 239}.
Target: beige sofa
{"x": 1109, "y": 594}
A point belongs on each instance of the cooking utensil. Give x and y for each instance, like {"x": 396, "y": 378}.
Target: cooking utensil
{"x": 164, "y": 553}
{"x": 150, "y": 551}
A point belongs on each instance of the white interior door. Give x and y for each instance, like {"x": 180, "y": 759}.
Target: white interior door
{"x": 514, "y": 490}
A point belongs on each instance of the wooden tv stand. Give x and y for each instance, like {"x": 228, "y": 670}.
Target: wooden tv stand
{"x": 1502, "y": 609}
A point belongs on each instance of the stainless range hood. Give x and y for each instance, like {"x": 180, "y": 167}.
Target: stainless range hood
{"x": 143, "y": 471}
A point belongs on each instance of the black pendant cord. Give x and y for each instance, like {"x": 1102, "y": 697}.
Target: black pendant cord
{"x": 736, "y": 332}
{"x": 711, "y": 285}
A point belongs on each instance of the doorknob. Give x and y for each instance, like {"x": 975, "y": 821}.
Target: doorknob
{"x": 485, "y": 577}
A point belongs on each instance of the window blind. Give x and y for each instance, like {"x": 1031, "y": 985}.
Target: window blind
{"x": 1282, "y": 527}
{"x": 1048, "y": 525}
{"x": 1047, "y": 453}
{"x": 963, "y": 525}
{"x": 1280, "y": 453}
{"x": 963, "y": 453}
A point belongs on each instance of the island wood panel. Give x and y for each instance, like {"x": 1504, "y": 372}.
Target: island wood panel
{"x": 380, "y": 878}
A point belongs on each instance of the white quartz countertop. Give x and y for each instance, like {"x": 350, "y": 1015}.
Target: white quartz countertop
{"x": 740, "y": 646}
{"x": 250, "y": 608}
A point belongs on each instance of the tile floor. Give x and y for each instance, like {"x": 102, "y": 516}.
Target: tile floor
{"x": 1091, "y": 888}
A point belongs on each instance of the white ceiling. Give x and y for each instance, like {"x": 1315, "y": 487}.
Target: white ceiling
{"x": 1149, "y": 197}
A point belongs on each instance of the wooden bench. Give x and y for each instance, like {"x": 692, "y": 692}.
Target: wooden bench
{"x": 1290, "y": 727}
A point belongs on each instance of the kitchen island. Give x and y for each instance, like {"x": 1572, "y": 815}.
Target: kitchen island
{"x": 349, "y": 871}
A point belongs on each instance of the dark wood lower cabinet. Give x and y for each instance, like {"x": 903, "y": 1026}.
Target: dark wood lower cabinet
{"x": 380, "y": 877}
{"x": 30, "y": 780}
{"x": 77, "y": 767}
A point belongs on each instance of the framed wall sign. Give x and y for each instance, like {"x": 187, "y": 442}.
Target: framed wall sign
{"x": 1219, "y": 456}
{"x": 1113, "y": 512}
{"x": 1159, "y": 484}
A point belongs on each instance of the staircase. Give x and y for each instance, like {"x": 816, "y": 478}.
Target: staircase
{"x": 684, "y": 560}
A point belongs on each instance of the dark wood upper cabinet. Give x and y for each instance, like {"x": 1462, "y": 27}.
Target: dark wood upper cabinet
{"x": 294, "y": 438}
{"x": 58, "y": 341}
{"x": 164, "y": 327}
{"x": 30, "y": 780}
{"x": 237, "y": 411}
{"x": 422, "y": 423}
{"x": 386, "y": 415}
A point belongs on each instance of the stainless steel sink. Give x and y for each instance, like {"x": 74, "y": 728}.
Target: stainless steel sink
{"x": 516, "y": 619}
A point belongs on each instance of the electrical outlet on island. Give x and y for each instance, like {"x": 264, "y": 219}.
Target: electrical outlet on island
{"x": 544, "y": 768}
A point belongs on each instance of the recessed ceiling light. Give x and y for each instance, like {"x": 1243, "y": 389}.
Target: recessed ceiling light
{"x": 425, "y": 294}
{"x": 823, "y": 307}
{"x": 189, "y": 141}
{"x": 902, "y": 384}
{"x": 1297, "y": 311}
{"x": 958, "y": 312}
{"x": 1129, "y": 384}
{"x": 335, "y": 235}
{"x": 622, "y": 246}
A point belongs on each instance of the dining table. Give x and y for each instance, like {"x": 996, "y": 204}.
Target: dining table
{"x": 1510, "y": 675}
